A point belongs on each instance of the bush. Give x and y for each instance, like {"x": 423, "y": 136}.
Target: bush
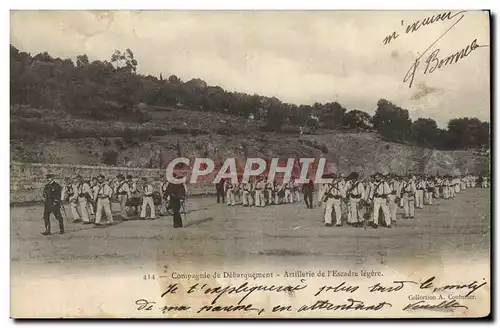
{"x": 110, "y": 157}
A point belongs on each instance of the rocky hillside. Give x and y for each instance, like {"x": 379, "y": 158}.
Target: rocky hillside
{"x": 56, "y": 137}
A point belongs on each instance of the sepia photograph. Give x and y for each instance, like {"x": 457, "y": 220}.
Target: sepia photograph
{"x": 250, "y": 164}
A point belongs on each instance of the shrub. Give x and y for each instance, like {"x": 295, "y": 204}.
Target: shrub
{"x": 110, "y": 157}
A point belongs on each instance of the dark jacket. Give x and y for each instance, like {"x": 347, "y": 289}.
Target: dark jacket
{"x": 52, "y": 194}
{"x": 176, "y": 190}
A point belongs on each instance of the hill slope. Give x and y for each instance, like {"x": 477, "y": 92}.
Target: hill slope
{"x": 57, "y": 137}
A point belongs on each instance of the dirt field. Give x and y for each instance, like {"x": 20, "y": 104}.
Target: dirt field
{"x": 458, "y": 227}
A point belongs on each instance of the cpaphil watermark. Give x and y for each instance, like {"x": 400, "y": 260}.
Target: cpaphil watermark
{"x": 302, "y": 170}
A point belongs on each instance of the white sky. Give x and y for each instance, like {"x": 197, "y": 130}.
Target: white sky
{"x": 299, "y": 57}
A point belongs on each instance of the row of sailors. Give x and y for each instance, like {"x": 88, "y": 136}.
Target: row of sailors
{"x": 385, "y": 193}
{"x": 94, "y": 196}
{"x": 259, "y": 192}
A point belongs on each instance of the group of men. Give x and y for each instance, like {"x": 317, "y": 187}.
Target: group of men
{"x": 355, "y": 201}
{"x": 91, "y": 199}
{"x": 363, "y": 199}
{"x": 350, "y": 199}
{"x": 260, "y": 193}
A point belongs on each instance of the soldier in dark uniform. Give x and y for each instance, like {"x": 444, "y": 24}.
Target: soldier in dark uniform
{"x": 308, "y": 189}
{"x": 177, "y": 194}
{"x": 219, "y": 188}
{"x": 52, "y": 195}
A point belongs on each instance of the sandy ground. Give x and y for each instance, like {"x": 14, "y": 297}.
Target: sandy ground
{"x": 457, "y": 227}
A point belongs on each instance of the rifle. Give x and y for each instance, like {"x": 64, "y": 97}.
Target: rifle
{"x": 325, "y": 195}
{"x": 64, "y": 211}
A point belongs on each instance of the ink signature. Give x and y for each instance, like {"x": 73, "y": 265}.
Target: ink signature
{"x": 435, "y": 60}
{"x": 442, "y": 306}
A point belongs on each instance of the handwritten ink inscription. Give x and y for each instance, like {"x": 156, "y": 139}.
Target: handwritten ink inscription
{"x": 341, "y": 296}
{"x": 435, "y": 60}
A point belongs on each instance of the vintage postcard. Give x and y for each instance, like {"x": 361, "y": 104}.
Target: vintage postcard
{"x": 250, "y": 164}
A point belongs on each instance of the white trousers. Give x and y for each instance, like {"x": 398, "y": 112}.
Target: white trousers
{"x": 393, "y": 207}
{"x": 148, "y": 201}
{"x": 297, "y": 196}
{"x": 355, "y": 214}
{"x": 428, "y": 197}
{"x": 103, "y": 205}
{"x": 330, "y": 205}
{"x": 230, "y": 199}
{"x": 409, "y": 205}
{"x": 419, "y": 199}
{"x": 246, "y": 198}
{"x": 84, "y": 209}
{"x": 74, "y": 210}
{"x": 260, "y": 200}
{"x": 381, "y": 203}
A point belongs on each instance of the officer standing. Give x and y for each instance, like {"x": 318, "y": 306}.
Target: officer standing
{"x": 52, "y": 194}
{"x": 177, "y": 194}
{"x": 308, "y": 190}
{"x": 219, "y": 188}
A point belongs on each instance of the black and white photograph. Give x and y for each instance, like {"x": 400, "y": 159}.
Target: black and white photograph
{"x": 250, "y": 164}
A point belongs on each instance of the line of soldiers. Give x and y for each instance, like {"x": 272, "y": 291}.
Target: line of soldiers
{"x": 363, "y": 199}
{"x": 91, "y": 199}
{"x": 258, "y": 192}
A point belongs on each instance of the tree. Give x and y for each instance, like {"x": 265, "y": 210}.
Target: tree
{"x": 483, "y": 137}
{"x": 214, "y": 99}
{"x": 331, "y": 115}
{"x": 359, "y": 120}
{"x": 174, "y": 79}
{"x": 276, "y": 117}
{"x": 82, "y": 60}
{"x": 425, "y": 132}
{"x": 466, "y": 133}
{"x": 391, "y": 121}
{"x": 124, "y": 60}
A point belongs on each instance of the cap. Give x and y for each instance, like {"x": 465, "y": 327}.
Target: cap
{"x": 119, "y": 176}
{"x": 49, "y": 176}
{"x": 129, "y": 177}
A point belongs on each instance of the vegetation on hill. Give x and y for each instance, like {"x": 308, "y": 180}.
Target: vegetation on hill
{"x": 54, "y": 99}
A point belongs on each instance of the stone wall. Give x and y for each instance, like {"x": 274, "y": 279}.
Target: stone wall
{"x": 27, "y": 179}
